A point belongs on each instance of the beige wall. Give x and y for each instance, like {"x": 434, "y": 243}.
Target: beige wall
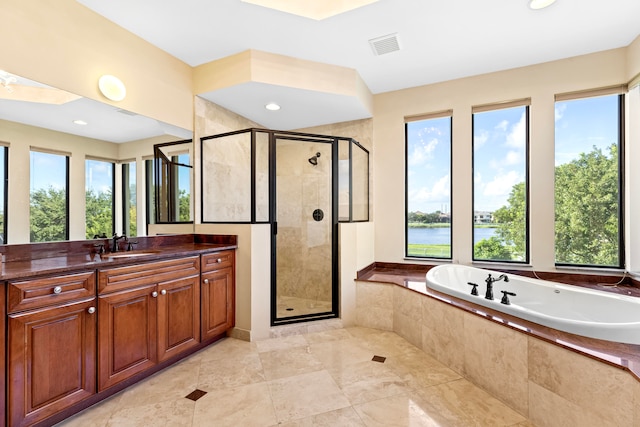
{"x": 540, "y": 83}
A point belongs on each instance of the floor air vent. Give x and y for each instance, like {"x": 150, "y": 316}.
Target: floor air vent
{"x": 385, "y": 44}
{"x": 195, "y": 394}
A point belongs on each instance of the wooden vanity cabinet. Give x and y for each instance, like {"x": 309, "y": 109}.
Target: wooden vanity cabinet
{"x": 217, "y": 293}
{"x": 51, "y": 347}
{"x": 147, "y": 313}
{"x": 3, "y": 360}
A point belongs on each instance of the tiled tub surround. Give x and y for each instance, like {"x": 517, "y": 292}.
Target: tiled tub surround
{"x": 552, "y": 378}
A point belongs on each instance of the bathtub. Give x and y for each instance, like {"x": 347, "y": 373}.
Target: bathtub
{"x": 572, "y": 309}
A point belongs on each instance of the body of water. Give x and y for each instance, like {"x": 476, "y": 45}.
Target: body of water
{"x": 442, "y": 236}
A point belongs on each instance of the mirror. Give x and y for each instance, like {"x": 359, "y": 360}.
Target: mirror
{"x": 37, "y": 117}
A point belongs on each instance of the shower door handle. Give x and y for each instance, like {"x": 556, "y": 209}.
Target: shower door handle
{"x": 275, "y": 227}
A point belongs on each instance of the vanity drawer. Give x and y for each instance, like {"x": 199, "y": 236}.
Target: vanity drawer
{"x": 45, "y": 291}
{"x": 120, "y": 278}
{"x": 217, "y": 260}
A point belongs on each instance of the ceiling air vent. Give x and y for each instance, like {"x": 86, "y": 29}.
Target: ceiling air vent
{"x": 385, "y": 44}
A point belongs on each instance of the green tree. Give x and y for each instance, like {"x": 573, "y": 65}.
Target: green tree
{"x": 48, "y": 215}
{"x": 492, "y": 248}
{"x": 512, "y": 222}
{"x": 586, "y": 214}
{"x": 184, "y": 200}
{"x": 99, "y": 213}
{"x": 587, "y": 209}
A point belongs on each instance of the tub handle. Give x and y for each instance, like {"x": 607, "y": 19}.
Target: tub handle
{"x": 505, "y": 297}
{"x": 474, "y": 289}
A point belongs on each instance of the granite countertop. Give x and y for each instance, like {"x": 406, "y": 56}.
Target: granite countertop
{"x": 20, "y": 262}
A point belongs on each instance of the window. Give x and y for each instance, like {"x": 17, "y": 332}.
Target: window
{"x": 4, "y": 168}
{"x": 49, "y": 198}
{"x": 184, "y": 186}
{"x": 129, "y": 200}
{"x": 150, "y": 190}
{"x": 99, "y": 183}
{"x": 588, "y": 180}
{"x": 172, "y": 176}
{"x": 500, "y": 196}
{"x": 428, "y": 183}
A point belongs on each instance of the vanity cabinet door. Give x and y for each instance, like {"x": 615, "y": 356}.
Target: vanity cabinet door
{"x": 178, "y": 316}
{"x": 126, "y": 334}
{"x": 51, "y": 360}
{"x": 218, "y": 302}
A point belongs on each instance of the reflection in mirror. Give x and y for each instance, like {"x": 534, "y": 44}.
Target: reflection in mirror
{"x": 38, "y": 118}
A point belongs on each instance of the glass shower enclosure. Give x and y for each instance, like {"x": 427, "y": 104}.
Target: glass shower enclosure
{"x": 300, "y": 184}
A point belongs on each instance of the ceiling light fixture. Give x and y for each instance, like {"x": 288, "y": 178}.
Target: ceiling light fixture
{"x": 272, "y": 106}
{"x": 80, "y": 122}
{"x": 112, "y": 87}
{"x": 540, "y": 4}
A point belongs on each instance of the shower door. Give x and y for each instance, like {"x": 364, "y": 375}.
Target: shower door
{"x": 304, "y": 245}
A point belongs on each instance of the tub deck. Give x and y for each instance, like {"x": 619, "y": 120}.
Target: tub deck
{"x": 620, "y": 355}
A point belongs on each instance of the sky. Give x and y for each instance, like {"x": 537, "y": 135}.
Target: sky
{"x": 499, "y": 144}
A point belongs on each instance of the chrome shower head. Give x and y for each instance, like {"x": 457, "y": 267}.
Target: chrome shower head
{"x": 314, "y": 159}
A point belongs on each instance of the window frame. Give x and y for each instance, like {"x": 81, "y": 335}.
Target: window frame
{"x": 113, "y": 192}
{"x": 5, "y": 195}
{"x": 67, "y": 157}
{"x": 620, "y": 91}
{"x": 125, "y": 172}
{"x": 526, "y": 103}
{"x": 417, "y": 118}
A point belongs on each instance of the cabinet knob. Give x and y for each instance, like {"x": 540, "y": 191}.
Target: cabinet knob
{"x": 206, "y": 281}
{"x": 219, "y": 260}
{"x": 91, "y": 310}
{"x": 163, "y": 292}
{"x": 57, "y": 289}
{"x": 154, "y": 294}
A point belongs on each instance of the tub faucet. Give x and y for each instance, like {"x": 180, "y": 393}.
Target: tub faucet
{"x": 489, "y": 280}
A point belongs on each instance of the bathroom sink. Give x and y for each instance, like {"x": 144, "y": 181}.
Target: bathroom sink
{"x": 131, "y": 254}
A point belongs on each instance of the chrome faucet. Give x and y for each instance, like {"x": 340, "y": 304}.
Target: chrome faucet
{"x": 489, "y": 280}
{"x": 114, "y": 246}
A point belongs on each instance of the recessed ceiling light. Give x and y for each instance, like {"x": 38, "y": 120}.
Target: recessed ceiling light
{"x": 80, "y": 122}
{"x": 272, "y": 106}
{"x": 540, "y": 4}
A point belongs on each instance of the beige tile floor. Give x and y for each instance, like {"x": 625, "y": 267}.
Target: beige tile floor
{"x": 317, "y": 379}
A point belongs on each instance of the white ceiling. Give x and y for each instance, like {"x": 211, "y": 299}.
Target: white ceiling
{"x": 440, "y": 40}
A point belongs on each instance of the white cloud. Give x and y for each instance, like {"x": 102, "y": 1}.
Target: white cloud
{"x": 518, "y": 135}
{"x": 438, "y": 193}
{"x": 480, "y": 138}
{"x": 559, "y": 111}
{"x": 502, "y": 184}
{"x": 502, "y": 126}
{"x": 422, "y": 153}
{"x": 513, "y": 158}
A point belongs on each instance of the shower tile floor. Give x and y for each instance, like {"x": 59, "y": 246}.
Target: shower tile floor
{"x": 341, "y": 377}
{"x": 293, "y": 306}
